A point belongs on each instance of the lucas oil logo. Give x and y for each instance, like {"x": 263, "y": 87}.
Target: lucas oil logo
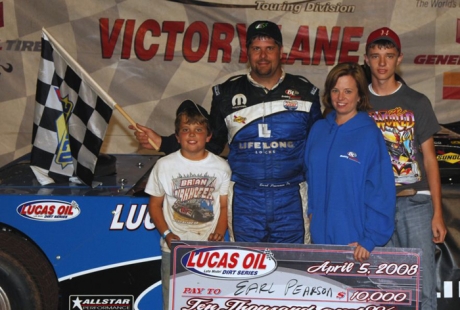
{"x": 49, "y": 210}
{"x": 290, "y": 105}
{"x": 227, "y": 262}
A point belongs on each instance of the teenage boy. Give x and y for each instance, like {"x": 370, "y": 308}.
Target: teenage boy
{"x": 407, "y": 121}
{"x": 188, "y": 189}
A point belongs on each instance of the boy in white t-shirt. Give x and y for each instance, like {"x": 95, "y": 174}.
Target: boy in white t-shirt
{"x": 188, "y": 189}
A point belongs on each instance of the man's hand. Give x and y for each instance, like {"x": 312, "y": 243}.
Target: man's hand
{"x": 439, "y": 229}
{"x": 143, "y": 134}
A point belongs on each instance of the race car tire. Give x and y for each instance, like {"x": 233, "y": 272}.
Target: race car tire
{"x": 27, "y": 280}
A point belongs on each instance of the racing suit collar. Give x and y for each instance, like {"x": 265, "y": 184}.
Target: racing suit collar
{"x": 253, "y": 82}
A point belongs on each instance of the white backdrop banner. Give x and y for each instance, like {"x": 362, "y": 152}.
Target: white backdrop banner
{"x": 150, "y": 55}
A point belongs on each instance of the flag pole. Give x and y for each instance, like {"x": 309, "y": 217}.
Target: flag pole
{"x": 87, "y": 78}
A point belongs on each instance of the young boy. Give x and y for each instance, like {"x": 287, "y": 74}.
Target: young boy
{"x": 188, "y": 189}
{"x": 407, "y": 121}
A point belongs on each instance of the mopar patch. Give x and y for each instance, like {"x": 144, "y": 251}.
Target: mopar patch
{"x": 101, "y": 302}
{"x": 290, "y": 105}
{"x": 49, "y": 210}
{"x": 233, "y": 263}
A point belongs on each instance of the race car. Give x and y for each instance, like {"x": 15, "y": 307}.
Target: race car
{"x": 194, "y": 211}
{"x": 69, "y": 246}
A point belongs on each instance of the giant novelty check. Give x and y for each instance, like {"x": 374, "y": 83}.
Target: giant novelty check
{"x": 268, "y": 276}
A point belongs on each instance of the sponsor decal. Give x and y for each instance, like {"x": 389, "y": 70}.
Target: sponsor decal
{"x": 101, "y": 302}
{"x": 266, "y": 145}
{"x": 351, "y": 156}
{"x": 314, "y": 90}
{"x": 49, "y": 210}
{"x": 132, "y": 217}
{"x": 239, "y": 101}
{"x": 239, "y": 119}
{"x": 261, "y": 25}
{"x": 290, "y": 105}
{"x": 451, "y": 158}
{"x": 292, "y": 93}
{"x": 232, "y": 263}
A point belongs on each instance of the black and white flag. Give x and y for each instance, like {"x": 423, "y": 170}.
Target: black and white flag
{"x": 70, "y": 120}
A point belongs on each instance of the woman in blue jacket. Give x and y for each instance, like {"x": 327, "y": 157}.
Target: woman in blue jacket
{"x": 351, "y": 189}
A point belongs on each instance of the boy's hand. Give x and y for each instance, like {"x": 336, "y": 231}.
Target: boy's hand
{"x": 216, "y": 237}
{"x": 170, "y": 237}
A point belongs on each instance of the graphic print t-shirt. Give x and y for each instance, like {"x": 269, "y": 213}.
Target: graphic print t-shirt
{"x": 406, "y": 119}
{"x": 191, "y": 204}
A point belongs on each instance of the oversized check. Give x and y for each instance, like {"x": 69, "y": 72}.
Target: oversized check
{"x": 268, "y": 276}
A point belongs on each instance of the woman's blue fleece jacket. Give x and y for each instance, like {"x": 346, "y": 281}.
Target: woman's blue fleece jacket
{"x": 351, "y": 187}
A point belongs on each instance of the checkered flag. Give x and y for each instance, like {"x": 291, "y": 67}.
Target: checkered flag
{"x": 70, "y": 120}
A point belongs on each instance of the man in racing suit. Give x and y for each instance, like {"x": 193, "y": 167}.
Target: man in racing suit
{"x": 265, "y": 117}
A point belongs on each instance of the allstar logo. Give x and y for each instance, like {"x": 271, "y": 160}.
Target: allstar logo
{"x": 101, "y": 302}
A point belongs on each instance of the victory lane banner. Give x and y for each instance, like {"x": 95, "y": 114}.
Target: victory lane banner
{"x": 269, "y": 276}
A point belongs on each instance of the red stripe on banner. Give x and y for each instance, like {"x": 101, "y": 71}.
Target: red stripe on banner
{"x": 1, "y": 15}
{"x": 457, "y": 39}
{"x": 450, "y": 92}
